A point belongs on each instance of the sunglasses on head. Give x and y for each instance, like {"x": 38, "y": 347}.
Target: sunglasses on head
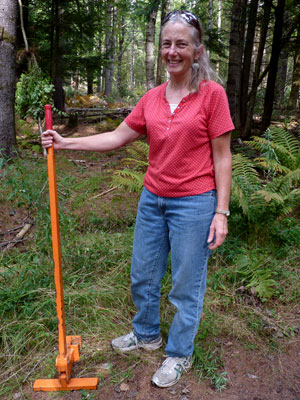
{"x": 187, "y": 15}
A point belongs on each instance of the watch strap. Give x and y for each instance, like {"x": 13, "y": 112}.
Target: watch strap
{"x": 224, "y": 212}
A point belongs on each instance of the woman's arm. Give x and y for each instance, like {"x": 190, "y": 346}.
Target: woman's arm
{"x": 103, "y": 142}
{"x": 223, "y": 172}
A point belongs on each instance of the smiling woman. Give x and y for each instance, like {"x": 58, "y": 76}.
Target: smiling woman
{"x": 179, "y": 51}
{"x": 183, "y": 208}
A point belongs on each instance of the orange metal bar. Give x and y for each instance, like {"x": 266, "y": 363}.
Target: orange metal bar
{"x": 52, "y": 385}
{"x": 68, "y": 346}
{"x": 62, "y": 345}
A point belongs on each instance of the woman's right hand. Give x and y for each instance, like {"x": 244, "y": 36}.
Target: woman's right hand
{"x": 50, "y": 138}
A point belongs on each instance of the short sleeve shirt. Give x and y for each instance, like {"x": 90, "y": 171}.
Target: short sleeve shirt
{"x": 180, "y": 154}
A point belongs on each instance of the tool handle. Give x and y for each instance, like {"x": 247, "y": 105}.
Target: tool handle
{"x": 48, "y": 117}
{"x": 49, "y": 124}
{"x": 56, "y": 248}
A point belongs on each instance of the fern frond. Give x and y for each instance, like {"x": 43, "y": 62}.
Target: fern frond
{"x": 138, "y": 150}
{"x": 244, "y": 169}
{"x": 284, "y": 184}
{"x": 269, "y": 196}
{"x": 271, "y": 165}
{"x": 135, "y": 162}
{"x": 271, "y": 150}
{"x": 245, "y": 180}
{"x": 256, "y": 273}
{"x": 292, "y": 200}
{"x": 127, "y": 179}
{"x": 285, "y": 139}
{"x": 259, "y": 143}
{"x": 277, "y": 145}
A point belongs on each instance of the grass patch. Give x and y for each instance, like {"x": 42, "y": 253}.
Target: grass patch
{"x": 251, "y": 294}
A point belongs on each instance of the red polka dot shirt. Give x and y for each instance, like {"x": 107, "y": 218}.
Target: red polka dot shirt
{"x": 180, "y": 155}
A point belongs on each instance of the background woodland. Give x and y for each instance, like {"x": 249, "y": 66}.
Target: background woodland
{"x": 111, "y": 48}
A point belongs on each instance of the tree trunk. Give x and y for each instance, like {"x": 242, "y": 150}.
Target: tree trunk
{"x": 99, "y": 72}
{"x": 59, "y": 94}
{"x": 281, "y": 79}
{"x": 132, "y": 60}
{"x": 90, "y": 80}
{"x": 294, "y": 95}
{"x": 109, "y": 49}
{"x": 256, "y": 79}
{"x": 210, "y": 15}
{"x": 248, "y": 50}
{"x": 20, "y": 37}
{"x": 233, "y": 88}
{"x": 219, "y": 31}
{"x": 150, "y": 45}
{"x": 120, "y": 86}
{"x": 8, "y": 33}
{"x": 159, "y": 66}
{"x": 22, "y": 65}
{"x": 282, "y": 70}
{"x": 76, "y": 81}
{"x": 277, "y": 36}
{"x": 91, "y": 33}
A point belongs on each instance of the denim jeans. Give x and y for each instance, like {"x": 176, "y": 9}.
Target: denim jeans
{"x": 180, "y": 225}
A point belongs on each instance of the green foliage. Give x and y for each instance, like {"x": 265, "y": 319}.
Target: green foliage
{"x": 96, "y": 237}
{"x": 2, "y": 171}
{"x": 18, "y": 188}
{"x": 33, "y": 91}
{"x": 207, "y": 364}
{"x": 27, "y": 136}
{"x": 274, "y": 192}
{"x": 245, "y": 181}
{"x": 279, "y": 149}
{"x": 131, "y": 178}
{"x": 256, "y": 272}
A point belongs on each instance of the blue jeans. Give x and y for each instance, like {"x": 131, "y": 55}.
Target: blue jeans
{"x": 180, "y": 225}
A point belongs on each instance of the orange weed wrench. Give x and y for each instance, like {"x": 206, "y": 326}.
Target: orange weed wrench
{"x": 68, "y": 346}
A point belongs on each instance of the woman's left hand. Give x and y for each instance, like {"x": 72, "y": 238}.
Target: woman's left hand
{"x": 218, "y": 231}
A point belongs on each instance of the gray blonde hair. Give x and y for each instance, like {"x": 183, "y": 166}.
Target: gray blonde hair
{"x": 201, "y": 68}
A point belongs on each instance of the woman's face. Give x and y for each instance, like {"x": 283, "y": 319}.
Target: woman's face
{"x": 178, "y": 49}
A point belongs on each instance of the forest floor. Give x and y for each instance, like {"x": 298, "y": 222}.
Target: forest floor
{"x": 253, "y": 372}
{"x": 252, "y": 376}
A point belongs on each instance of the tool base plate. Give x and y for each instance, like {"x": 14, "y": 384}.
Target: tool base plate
{"x": 49, "y": 385}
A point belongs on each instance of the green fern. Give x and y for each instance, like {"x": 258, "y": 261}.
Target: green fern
{"x": 271, "y": 165}
{"x": 277, "y": 147}
{"x": 254, "y": 272}
{"x": 264, "y": 200}
{"x": 132, "y": 179}
{"x": 138, "y": 151}
{"x": 245, "y": 181}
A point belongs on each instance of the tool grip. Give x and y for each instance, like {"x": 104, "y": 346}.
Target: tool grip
{"x": 48, "y": 117}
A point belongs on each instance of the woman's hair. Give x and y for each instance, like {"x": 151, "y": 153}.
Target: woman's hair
{"x": 201, "y": 68}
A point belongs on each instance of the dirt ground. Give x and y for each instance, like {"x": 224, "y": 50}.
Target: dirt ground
{"x": 252, "y": 375}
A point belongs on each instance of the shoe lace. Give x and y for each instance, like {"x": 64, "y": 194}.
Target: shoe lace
{"x": 131, "y": 338}
{"x": 177, "y": 363}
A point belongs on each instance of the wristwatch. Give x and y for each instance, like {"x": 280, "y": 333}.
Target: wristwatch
{"x": 224, "y": 212}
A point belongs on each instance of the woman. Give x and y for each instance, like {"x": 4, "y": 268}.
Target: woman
{"x": 184, "y": 205}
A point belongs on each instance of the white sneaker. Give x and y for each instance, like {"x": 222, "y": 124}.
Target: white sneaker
{"x": 130, "y": 342}
{"x": 171, "y": 370}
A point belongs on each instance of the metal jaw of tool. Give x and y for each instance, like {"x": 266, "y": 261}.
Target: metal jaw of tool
{"x": 64, "y": 367}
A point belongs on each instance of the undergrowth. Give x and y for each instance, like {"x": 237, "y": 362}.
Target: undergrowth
{"x": 250, "y": 279}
